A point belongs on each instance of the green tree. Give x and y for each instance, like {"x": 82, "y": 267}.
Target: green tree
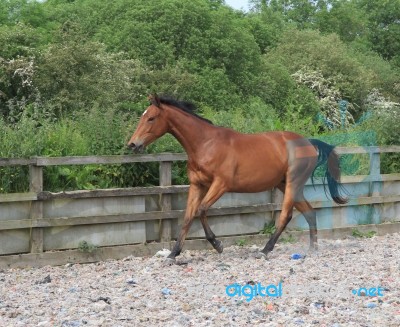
{"x": 76, "y": 73}
{"x": 345, "y": 18}
{"x": 159, "y": 33}
{"x": 266, "y": 26}
{"x": 384, "y": 27}
{"x": 19, "y": 40}
{"x": 329, "y": 55}
{"x": 301, "y": 13}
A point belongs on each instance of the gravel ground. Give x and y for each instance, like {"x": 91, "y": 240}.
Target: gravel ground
{"x": 326, "y": 288}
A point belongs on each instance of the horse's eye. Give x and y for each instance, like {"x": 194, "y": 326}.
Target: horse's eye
{"x": 151, "y": 119}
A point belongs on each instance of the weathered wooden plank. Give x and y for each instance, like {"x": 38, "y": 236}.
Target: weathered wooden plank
{"x": 117, "y": 192}
{"x": 153, "y": 215}
{"x": 356, "y": 201}
{"x": 368, "y": 149}
{"x": 87, "y": 160}
{"x": 67, "y": 221}
{"x": 390, "y": 177}
{"x": 173, "y": 189}
{"x": 36, "y": 240}
{"x": 84, "y": 160}
{"x": 377, "y": 199}
{"x": 101, "y": 234}
{"x": 36, "y": 213}
{"x": 366, "y": 178}
{"x": 174, "y": 214}
{"x": 6, "y": 162}
{"x": 375, "y": 186}
{"x": 18, "y": 197}
{"x": 375, "y": 164}
{"x": 389, "y": 148}
{"x": 14, "y": 241}
{"x": 56, "y": 258}
{"x": 165, "y": 180}
{"x": 15, "y": 224}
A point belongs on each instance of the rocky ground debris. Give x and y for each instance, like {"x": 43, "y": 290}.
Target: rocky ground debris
{"x": 350, "y": 282}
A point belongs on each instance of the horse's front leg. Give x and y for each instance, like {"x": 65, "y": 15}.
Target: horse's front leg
{"x": 217, "y": 189}
{"x": 210, "y": 236}
{"x": 196, "y": 194}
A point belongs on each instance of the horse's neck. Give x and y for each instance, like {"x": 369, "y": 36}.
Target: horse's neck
{"x": 191, "y": 132}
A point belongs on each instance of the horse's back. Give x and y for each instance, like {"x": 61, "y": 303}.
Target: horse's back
{"x": 260, "y": 161}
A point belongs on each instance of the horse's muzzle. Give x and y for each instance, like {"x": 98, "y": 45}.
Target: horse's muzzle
{"x": 137, "y": 148}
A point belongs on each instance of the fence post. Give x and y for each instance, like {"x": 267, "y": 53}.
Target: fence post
{"x": 375, "y": 163}
{"x": 276, "y": 198}
{"x": 165, "y": 180}
{"x": 36, "y": 212}
{"x": 375, "y": 184}
{"x": 270, "y": 218}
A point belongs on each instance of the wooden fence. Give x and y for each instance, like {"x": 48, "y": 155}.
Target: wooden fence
{"x": 39, "y": 222}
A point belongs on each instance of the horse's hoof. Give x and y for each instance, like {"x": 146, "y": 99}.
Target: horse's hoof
{"x": 219, "y": 247}
{"x": 261, "y": 255}
{"x": 169, "y": 261}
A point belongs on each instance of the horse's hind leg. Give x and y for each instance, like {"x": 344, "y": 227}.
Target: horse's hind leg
{"x": 210, "y": 236}
{"x": 309, "y": 213}
{"x": 283, "y": 220}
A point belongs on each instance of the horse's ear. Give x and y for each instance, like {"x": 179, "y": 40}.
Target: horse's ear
{"x": 155, "y": 100}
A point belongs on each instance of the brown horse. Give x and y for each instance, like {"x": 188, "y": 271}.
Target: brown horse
{"x": 222, "y": 160}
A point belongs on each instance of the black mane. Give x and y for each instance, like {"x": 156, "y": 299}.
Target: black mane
{"x": 185, "y": 106}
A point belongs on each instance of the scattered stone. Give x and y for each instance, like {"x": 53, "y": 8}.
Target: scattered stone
{"x": 163, "y": 253}
{"x": 73, "y": 323}
{"x": 223, "y": 266}
{"x": 101, "y": 298}
{"x": 297, "y": 256}
{"x": 319, "y": 305}
{"x": 184, "y": 262}
{"x": 131, "y": 281}
{"x": 166, "y": 291}
{"x": 298, "y": 321}
{"x": 45, "y": 280}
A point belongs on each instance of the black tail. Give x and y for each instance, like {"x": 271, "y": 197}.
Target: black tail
{"x": 326, "y": 154}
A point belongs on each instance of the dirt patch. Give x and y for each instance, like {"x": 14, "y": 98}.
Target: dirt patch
{"x": 351, "y": 282}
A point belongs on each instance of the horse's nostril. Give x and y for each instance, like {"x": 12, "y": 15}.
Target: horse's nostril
{"x": 136, "y": 147}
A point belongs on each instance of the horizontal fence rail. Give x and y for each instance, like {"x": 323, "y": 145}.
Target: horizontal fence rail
{"x": 162, "y": 157}
{"x": 38, "y": 221}
{"x": 91, "y": 160}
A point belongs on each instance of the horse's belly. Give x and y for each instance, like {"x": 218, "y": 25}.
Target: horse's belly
{"x": 256, "y": 181}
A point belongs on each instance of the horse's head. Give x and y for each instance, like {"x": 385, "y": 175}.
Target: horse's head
{"x": 151, "y": 126}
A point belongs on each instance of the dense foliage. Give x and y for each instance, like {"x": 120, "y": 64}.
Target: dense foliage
{"x": 75, "y": 75}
